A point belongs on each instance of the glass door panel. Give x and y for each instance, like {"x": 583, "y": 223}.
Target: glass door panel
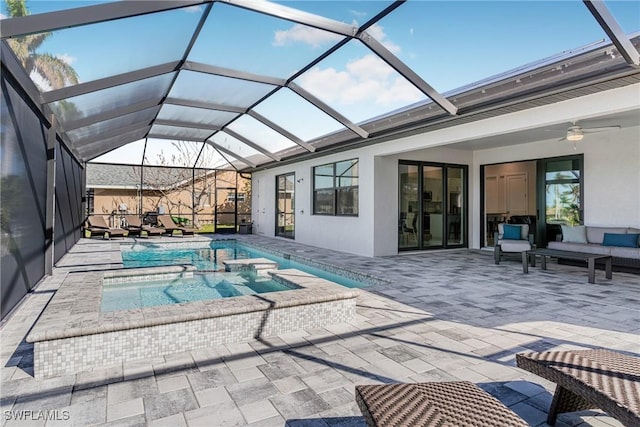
{"x": 409, "y": 208}
{"x": 285, "y": 205}
{"x": 456, "y": 208}
{"x": 563, "y": 195}
{"x": 433, "y": 206}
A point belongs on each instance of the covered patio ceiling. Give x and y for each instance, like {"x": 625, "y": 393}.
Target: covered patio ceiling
{"x": 246, "y": 84}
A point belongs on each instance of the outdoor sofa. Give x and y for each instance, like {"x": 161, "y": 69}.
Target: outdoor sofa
{"x": 622, "y": 243}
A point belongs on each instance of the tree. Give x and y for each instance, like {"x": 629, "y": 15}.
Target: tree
{"x": 54, "y": 71}
{"x": 171, "y": 183}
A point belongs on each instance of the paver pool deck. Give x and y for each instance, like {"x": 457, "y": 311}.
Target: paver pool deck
{"x": 451, "y": 315}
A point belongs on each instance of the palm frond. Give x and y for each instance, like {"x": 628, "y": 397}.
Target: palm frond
{"x": 57, "y": 72}
{"x": 16, "y": 8}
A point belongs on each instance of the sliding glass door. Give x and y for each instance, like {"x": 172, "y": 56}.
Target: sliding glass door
{"x": 432, "y": 205}
{"x": 285, "y": 205}
{"x": 409, "y": 207}
{"x": 560, "y": 192}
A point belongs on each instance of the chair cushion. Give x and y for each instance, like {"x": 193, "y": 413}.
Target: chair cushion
{"x": 623, "y": 240}
{"x": 511, "y": 232}
{"x": 524, "y": 231}
{"x": 575, "y": 234}
{"x": 515, "y": 245}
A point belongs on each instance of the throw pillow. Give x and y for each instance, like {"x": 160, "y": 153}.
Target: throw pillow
{"x": 511, "y": 232}
{"x": 576, "y": 234}
{"x": 622, "y": 240}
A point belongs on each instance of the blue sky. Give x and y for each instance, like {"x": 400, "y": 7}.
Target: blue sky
{"x": 448, "y": 43}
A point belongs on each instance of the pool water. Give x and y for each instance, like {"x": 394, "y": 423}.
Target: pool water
{"x": 211, "y": 259}
{"x": 204, "y": 259}
{"x": 201, "y": 286}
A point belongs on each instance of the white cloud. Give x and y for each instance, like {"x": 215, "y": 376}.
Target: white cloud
{"x": 369, "y": 67}
{"x": 303, "y": 34}
{"x": 366, "y": 80}
{"x": 377, "y": 31}
{"x": 40, "y": 81}
{"x": 193, "y": 9}
{"x": 3, "y": 16}
{"x": 66, "y": 58}
{"x": 357, "y": 13}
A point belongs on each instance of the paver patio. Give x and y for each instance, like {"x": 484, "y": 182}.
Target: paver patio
{"x": 451, "y": 315}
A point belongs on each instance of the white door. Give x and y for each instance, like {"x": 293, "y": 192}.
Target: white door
{"x": 516, "y": 192}
{"x": 494, "y": 194}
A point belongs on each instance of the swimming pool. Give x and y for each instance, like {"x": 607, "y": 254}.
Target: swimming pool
{"x": 186, "y": 287}
{"x": 209, "y": 256}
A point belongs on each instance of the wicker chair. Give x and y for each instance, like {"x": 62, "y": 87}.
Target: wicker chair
{"x": 459, "y": 403}
{"x": 589, "y": 379}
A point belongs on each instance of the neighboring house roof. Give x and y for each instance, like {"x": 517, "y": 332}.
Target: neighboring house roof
{"x": 104, "y": 175}
{"x": 112, "y": 176}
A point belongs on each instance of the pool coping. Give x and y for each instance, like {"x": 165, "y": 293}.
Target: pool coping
{"x": 75, "y": 309}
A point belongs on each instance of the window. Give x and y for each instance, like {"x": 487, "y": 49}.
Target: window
{"x": 90, "y": 201}
{"x": 335, "y": 188}
{"x": 232, "y": 197}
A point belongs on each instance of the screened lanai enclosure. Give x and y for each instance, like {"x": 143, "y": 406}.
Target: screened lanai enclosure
{"x": 102, "y": 98}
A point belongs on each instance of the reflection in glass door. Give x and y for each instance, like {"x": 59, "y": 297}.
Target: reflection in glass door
{"x": 409, "y": 208}
{"x": 285, "y": 205}
{"x": 432, "y": 205}
{"x": 456, "y": 209}
{"x": 432, "y": 201}
{"x": 562, "y": 194}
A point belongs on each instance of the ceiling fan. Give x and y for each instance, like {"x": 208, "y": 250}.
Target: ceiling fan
{"x": 576, "y": 132}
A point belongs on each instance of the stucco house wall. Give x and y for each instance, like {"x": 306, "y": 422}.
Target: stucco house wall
{"x": 611, "y": 169}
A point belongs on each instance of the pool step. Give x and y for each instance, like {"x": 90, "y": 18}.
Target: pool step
{"x": 254, "y": 264}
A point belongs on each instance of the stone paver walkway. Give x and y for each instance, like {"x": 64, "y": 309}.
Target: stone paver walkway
{"x": 445, "y": 316}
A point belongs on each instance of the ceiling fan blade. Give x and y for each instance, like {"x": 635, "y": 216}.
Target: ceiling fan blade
{"x": 600, "y": 129}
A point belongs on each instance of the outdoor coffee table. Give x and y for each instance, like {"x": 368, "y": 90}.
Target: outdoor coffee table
{"x": 590, "y": 259}
{"x": 589, "y": 379}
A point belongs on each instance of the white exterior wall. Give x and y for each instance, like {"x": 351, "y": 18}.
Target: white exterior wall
{"x": 612, "y": 174}
{"x": 343, "y": 233}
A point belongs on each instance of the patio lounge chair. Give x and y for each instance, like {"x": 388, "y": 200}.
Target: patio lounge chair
{"x": 136, "y": 227}
{"x": 458, "y": 403}
{"x": 170, "y": 226}
{"x": 589, "y": 379}
{"x": 99, "y": 227}
{"x": 512, "y": 238}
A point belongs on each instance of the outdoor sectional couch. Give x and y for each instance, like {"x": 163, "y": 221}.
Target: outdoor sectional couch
{"x": 590, "y": 239}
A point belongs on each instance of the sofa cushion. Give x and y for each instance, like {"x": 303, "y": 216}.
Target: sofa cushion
{"x": 621, "y": 252}
{"x": 576, "y": 234}
{"x": 596, "y": 234}
{"x": 589, "y": 248}
{"x": 623, "y": 240}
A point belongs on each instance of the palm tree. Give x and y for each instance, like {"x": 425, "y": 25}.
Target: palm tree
{"x": 52, "y": 69}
